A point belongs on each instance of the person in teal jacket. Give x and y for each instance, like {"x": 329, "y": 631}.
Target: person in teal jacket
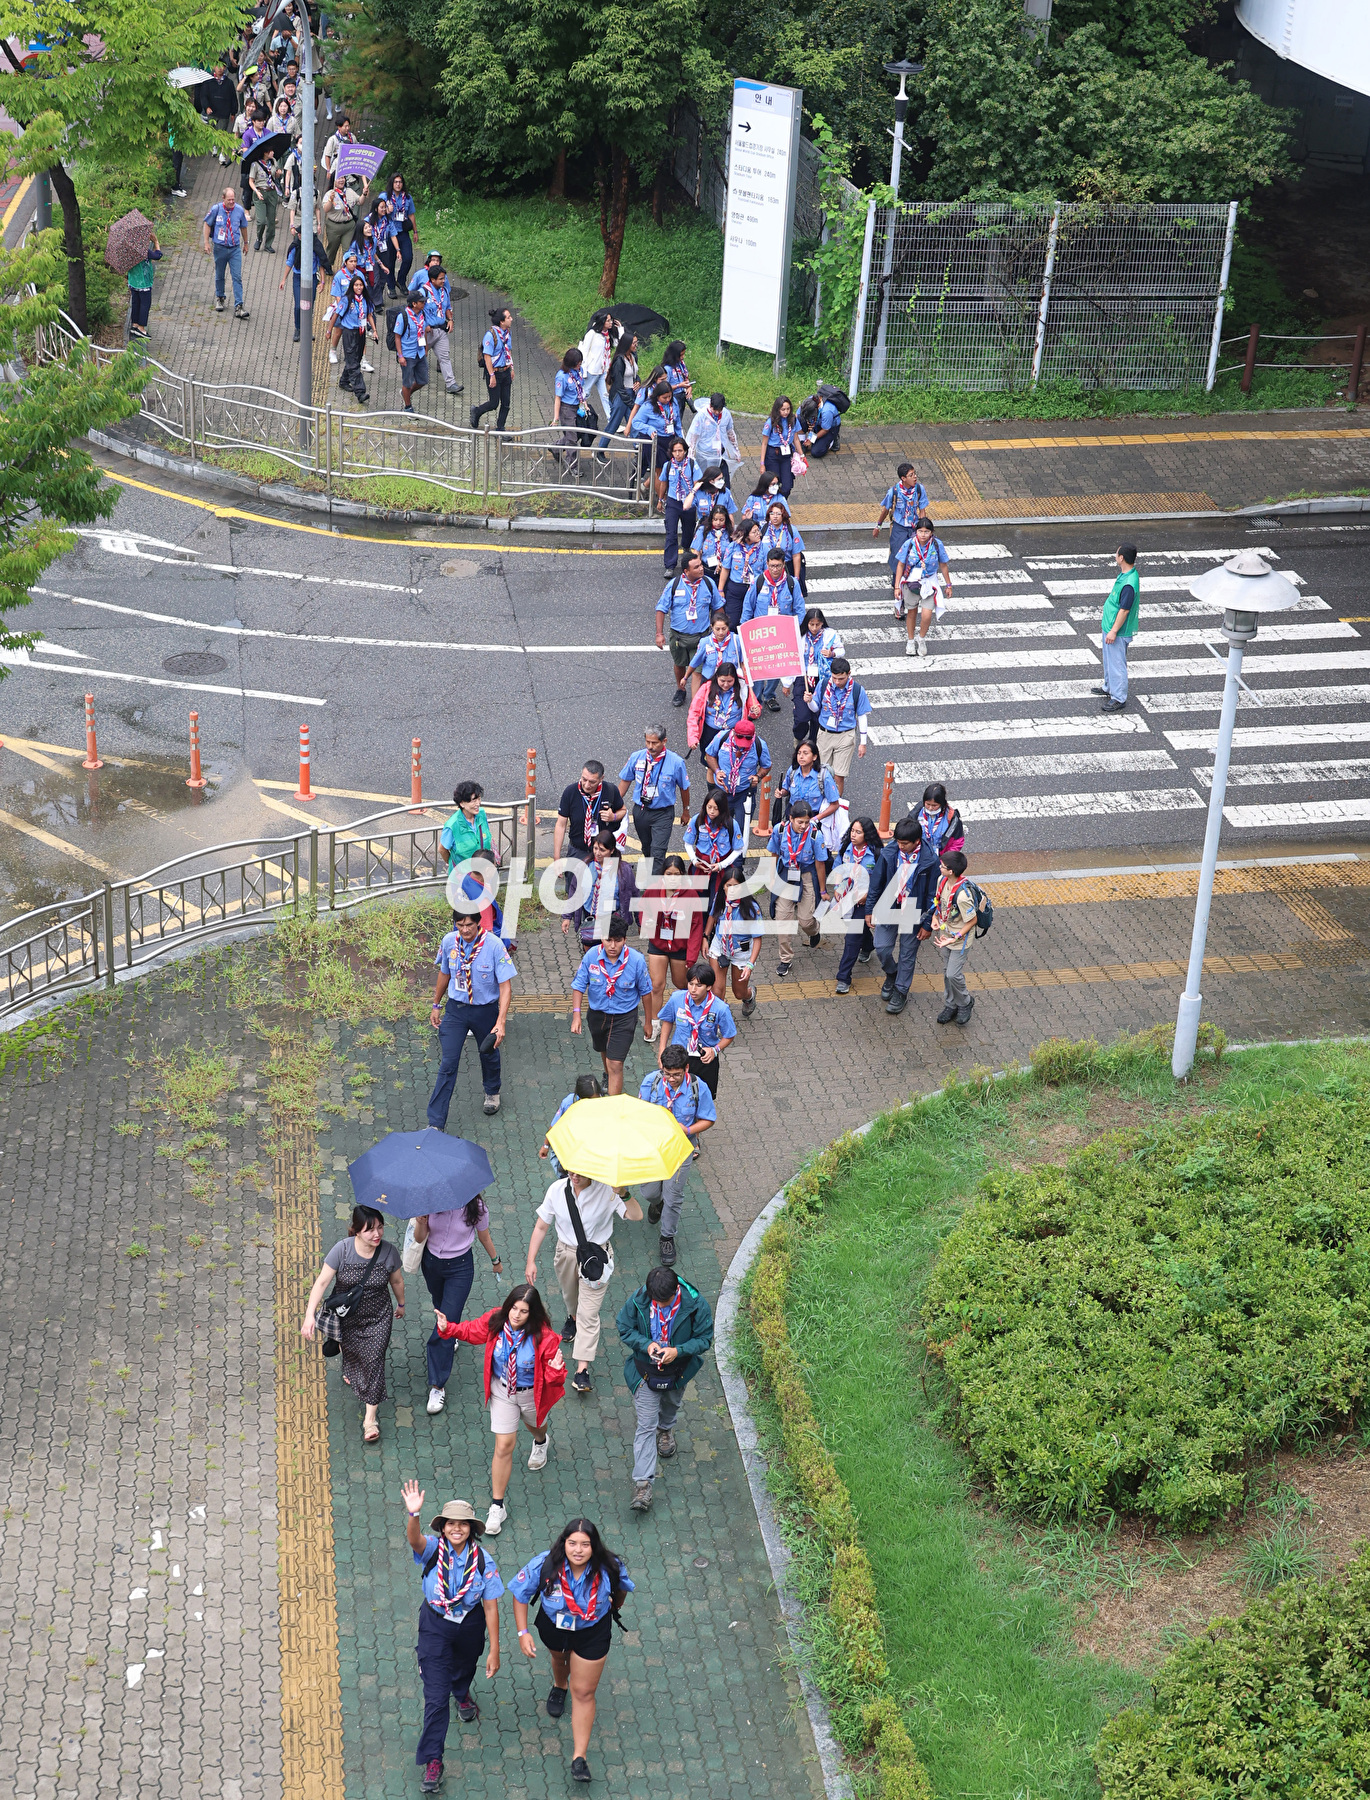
{"x": 467, "y": 832}
{"x": 667, "y": 1326}
{"x": 1118, "y": 627}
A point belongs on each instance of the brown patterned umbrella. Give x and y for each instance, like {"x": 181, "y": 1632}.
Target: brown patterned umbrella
{"x": 130, "y": 239}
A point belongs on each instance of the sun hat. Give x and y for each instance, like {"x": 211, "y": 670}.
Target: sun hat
{"x": 454, "y": 1510}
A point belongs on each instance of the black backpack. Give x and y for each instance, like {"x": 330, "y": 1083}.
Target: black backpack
{"x": 839, "y": 396}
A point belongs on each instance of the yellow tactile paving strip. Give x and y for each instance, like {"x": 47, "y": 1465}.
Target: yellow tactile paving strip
{"x": 1026, "y": 506}
{"x": 1101, "y": 441}
{"x": 311, "y": 1697}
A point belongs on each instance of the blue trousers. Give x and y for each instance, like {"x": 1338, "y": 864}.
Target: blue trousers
{"x": 833, "y": 441}
{"x": 458, "y": 1018}
{"x": 851, "y": 949}
{"x": 448, "y": 1279}
{"x": 899, "y": 536}
{"x": 447, "y": 1655}
{"x": 1115, "y": 668}
{"x": 898, "y": 952}
{"x": 767, "y": 690}
{"x": 230, "y": 257}
{"x": 783, "y": 466}
{"x": 680, "y": 529}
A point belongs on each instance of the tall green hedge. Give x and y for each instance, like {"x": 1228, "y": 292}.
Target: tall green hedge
{"x": 1275, "y": 1704}
{"x": 1125, "y": 1332}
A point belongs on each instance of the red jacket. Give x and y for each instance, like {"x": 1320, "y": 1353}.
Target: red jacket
{"x": 549, "y": 1384}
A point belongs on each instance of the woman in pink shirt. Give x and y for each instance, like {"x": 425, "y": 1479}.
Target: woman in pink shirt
{"x": 449, "y": 1268}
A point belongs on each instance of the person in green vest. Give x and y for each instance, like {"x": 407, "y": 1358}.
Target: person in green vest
{"x": 1119, "y": 627}
{"x": 140, "y": 290}
{"x": 467, "y": 832}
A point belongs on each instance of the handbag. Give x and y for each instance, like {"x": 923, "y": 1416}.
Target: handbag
{"x": 591, "y": 1259}
{"x": 340, "y": 1305}
{"x": 411, "y": 1256}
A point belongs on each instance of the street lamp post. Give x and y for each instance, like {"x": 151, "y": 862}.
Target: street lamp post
{"x": 1247, "y": 589}
{"x": 306, "y": 231}
{"x": 901, "y": 108}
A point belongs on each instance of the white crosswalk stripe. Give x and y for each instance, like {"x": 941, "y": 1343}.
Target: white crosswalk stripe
{"x": 862, "y": 554}
{"x": 1006, "y": 709}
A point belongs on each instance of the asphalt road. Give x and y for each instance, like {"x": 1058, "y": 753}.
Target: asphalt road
{"x": 263, "y": 624}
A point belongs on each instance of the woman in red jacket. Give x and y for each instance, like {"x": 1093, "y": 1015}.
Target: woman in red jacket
{"x": 525, "y": 1376}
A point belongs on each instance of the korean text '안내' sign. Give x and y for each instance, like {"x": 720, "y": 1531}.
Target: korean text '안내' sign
{"x": 763, "y": 166}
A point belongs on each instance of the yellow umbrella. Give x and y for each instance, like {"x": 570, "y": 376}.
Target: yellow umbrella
{"x": 619, "y": 1140}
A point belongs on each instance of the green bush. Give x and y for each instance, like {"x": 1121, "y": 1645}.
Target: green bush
{"x": 106, "y": 195}
{"x": 1125, "y": 1332}
{"x": 1273, "y": 1704}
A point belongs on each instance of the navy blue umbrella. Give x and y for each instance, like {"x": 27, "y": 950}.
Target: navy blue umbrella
{"x": 411, "y": 1173}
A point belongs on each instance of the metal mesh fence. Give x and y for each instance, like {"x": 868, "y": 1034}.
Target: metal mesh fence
{"x": 995, "y": 297}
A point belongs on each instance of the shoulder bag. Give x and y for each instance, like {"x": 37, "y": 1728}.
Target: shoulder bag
{"x": 591, "y": 1259}
{"x": 339, "y": 1306}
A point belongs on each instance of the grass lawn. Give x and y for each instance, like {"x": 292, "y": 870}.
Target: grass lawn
{"x": 547, "y": 255}
{"x": 980, "y": 1614}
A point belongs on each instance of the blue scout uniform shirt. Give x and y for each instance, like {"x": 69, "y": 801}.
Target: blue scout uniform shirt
{"x": 680, "y": 478}
{"x": 904, "y": 504}
{"x": 783, "y": 433}
{"x": 498, "y": 345}
{"x": 744, "y": 562}
{"x": 735, "y": 936}
{"x": 737, "y": 772}
{"x": 817, "y": 787}
{"x": 408, "y": 329}
{"x": 921, "y": 564}
{"x": 226, "y": 227}
{"x": 839, "y": 708}
{"x": 818, "y": 652}
{"x": 526, "y": 1586}
{"x": 486, "y": 1587}
{"x": 713, "y": 844}
{"x": 420, "y": 279}
{"x": 782, "y": 537}
{"x": 828, "y": 417}
{"x": 402, "y": 210}
{"x": 355, "y": 313}
{"x": 765, "y": 597}
{"x": 437, "y": 303}
{"x": 570, "y": 390}
{"x": 656, "y": 781}
{"x": 691, "y": 1101}
{"x": 525, "y": 1357}
{"x": 713, "y": 546}
{"x": 487, "y": 967}
{"x": 689, "y": 603}
{"x": 651, "y": 421}
{"x": 755, "y": 505}
{"x": 629, "y": 976}
{"x": 366, "y": 255}
{"x": 797, "y": 847}
{"x": 711, "y": 653}
{"x": 340, "y": 281}
{"x": 565, "y": 1107}
{"x": 722, "y": 714}
{"x": 707, "y": 1029}
{"x": 708, "y": 498}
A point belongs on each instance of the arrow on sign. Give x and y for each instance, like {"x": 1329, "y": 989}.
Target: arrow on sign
{"x": 743, "y": 125}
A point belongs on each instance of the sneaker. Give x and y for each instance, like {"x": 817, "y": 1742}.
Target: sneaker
{"x": 656, "y": 1031}
{"x": 457, "y": 387}
{"x": 432, "y": 1772}
{"x": 678, "y": 697}
{"x": 537, "y": 1456}
{"x": 494, "y": 1519}
{"x": 749, "y": 1006}
{"x": 1100, "y": 690}
{"x": 408, "y": 409}
{"x": 654, "y": 1211}
{"x": 888, "y": 988}
{"x": 569, "y": 1328}
{"x": 864, "y": 955}
{"x": 368, "y": 368}
{"x": 666, "y": 1250}
{"x": 665, "y": 1444}
{"x": 296, "y": 337}
{"x": 178, "y": 193}
{"x": 491, "y": 1103}
{"x": 580, "y": 1381}
{"x": 219, "y": 307}
{"x": 580, "y": 1769}
{"x": 782, "y": 970}
{"x": 772, "y": 705}
{"x": 556, "y": 1702}
{"x": 467, "y": 1710}
{"x": 963, "y": 1017}
{"x": 241, "y": 312}
{"x": 333, "y": 357}
{"x": 844, "y": 987}
{"x": 814, "y": 941}
{"x": 921, "y": 644}
{"x": 911, "y": 648}
{"x": 1113, "y": 706}
{"x": 897, "y": 1002}
{"x": 437, "y": 1399}
{"x": 642, "y": 1496}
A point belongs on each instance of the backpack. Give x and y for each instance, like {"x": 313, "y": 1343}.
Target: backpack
{"x": 839, "y": 397}
{"x": 984, "y": 909}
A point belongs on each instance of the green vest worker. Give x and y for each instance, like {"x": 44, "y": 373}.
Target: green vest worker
{"x": 1119, "y": 624}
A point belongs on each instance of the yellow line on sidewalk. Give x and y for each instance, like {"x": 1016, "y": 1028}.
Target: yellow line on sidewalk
{"x": 1023, "y": 506}
{"x": 1133, "y": 438}
{"x": 311, "y": 1693}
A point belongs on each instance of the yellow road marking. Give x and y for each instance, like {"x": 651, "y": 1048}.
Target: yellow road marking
{"x": 1158, "y": 437}
{"x": 311, "y": 1693}
{"x": 22, "y": 745}
{"x": 35, "y": 756}
{"x": 360, "y": 537}
{"x": 14, "y": 205}
{"x": 56, "y": 843}
{"x": 337, "y": 793}
{"x": 1025, "y": 506}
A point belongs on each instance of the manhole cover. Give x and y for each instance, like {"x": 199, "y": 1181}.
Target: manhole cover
{"x": 461, "y": 567}
{"x": 195, "y": 662}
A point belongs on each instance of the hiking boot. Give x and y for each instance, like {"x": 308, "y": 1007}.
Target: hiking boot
{"x": 963, "y": 1017}
{"x": 897, "y": 1002}
{"x": 678, "y": 697}
{"x": 491, "y": 1103}
{"x": 654, "y": 1211}
{"x": 666, "y": 1250}
{"x": 665, "y": 1445}
{"x": 749, "y": 1006}
{"x": 947, "y": 1014}
{"x": 642, "y": 1496}
{"x": 432, "y": 1775}
{"x": 219, "y": 304}
{"x": 241, "y": 312}
{"x": 888, "y": 989}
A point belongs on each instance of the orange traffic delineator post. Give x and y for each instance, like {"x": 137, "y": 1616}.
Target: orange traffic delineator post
{"x": 886, "y": 800}
{"x": 415, "y": 773}
{"x": 197, "y": 780}
{"x": 531, "y": 776}
{"x": 302, "y": 791}
{"x": 92, "y": 754}
{"x": 762, "y": 828}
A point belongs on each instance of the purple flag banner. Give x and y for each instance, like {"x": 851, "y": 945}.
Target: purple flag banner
{"x": 359, "y": 159}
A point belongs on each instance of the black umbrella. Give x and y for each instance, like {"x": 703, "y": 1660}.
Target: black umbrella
{"x": 276, "y": 141}
{"x": 644, "y": 320}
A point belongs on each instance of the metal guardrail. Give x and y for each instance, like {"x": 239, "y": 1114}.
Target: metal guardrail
{"x": 333, "y": 443}
{"x": 124, "y": 925}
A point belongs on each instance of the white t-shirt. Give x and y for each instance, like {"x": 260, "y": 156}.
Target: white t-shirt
{"x": 598, "y": 1206}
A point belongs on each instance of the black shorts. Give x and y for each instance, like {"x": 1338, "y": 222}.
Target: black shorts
{"x": 590, "y": 1643}
{"x": 612, "y": 1033}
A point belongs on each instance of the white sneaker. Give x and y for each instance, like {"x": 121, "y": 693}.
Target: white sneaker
{"x": 494, "y": 1519}
{"x": 437, "y": 1399}
{"x": 179, "y": 193}
{"x": 922, "y": 644}
{"x": 369, "y": 368}
{"x": 332, "y": 356}
{"x": 656, "y": 1031}
{"x": 911, "y": 648}
{"x": 537, "y": 1456}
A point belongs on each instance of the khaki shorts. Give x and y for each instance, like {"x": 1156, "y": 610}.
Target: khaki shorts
{"x": 837, "y": 749}
{"x": 507, "y": 1409}
{"x": 683, "y": 646}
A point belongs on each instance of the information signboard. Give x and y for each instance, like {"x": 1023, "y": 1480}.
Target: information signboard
{"x": 758, "y": 232}
{"x": 770, "y": 648}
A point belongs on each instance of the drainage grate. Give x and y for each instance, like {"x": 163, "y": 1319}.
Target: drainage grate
{"x": 195, "y": 662}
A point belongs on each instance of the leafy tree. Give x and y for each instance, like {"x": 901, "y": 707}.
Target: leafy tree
{"x": 1001, "y": 116}
{"x": 99, "y": 92}
{"x": 46, "y": 479}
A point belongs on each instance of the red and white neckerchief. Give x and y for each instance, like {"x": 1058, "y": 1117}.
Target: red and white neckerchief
{"x": 688, "y": 1014}
{"x": 708, "y": 843}
{"x": 593, "y": 802}
{"x": 907, "y": 866}
{"x": 724, "y": 712}
{"x": 572, "y": 1605}
{"x": 592, "y": 898}
{"x": 650, "y": 776}
{"x": 692, "y": 603}
{"x": 463, "y": 969}
{"x": 790, "y": 851}
{"x": 663, "y": 1317}
{"x": 511, "y": 1338}
{"x": 449, "y": 1601}
{"x": 773, "y": 598}
{"x": 734, "y": 776}
{"x": 610, "y": 976}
